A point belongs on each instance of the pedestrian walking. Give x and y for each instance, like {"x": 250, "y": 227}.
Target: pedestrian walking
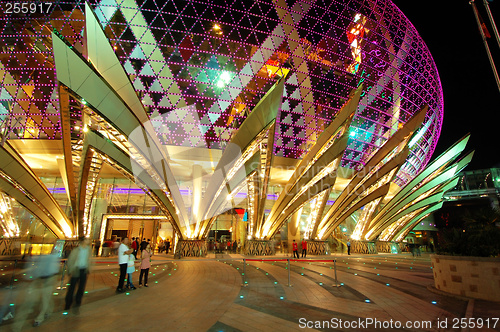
{"x": 295, "y": 249}
{"x": 116, "y": 245}
{"x": 167, "y": 246}
{"x": 123, "y": 252}
{"x": 348, "y": 247}
{"x": 304, "y": 248}
{"x": 40, "y": 282}
{"x": 134, "y": 246}
{"x": 78, "y": 266}
{"x": 145, "y": 264}
{"x": 130, "y": 270}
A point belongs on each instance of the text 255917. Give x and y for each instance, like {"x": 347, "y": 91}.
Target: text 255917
{"x": 18, "y": 7}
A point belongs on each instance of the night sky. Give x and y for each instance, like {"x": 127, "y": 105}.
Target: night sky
{"x": 471, "y": 96}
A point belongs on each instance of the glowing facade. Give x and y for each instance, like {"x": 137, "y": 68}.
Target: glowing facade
{"x": 200, "y": 68}
{"x": 336, "y": 85}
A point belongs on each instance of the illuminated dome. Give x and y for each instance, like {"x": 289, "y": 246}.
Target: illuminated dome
{"x": 200, "y": 68}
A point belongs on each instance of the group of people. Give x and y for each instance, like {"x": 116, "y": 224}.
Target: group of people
{"x": 164, "y": 246}
{"x": 295, "y": 248}
{"x": 78, "y": 267}
{"x": 220, "y": 246}
{"x": 127, "y": 256}
{"x": 414, "y": 248}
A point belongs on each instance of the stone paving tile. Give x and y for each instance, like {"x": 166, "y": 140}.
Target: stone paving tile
{"x": 246, "y": 319}
{"x": 310, "y": 293}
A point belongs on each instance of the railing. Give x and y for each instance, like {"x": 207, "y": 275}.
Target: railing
{"x": 288, "y": 260}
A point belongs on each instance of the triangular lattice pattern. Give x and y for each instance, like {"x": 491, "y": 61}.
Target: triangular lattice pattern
{"x": 200, "y": 67}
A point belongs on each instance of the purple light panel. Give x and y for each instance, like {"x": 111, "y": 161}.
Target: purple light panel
{"x": 201, "y": 66}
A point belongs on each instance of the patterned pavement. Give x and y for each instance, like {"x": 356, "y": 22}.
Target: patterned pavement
{"x": 224, "y": 294}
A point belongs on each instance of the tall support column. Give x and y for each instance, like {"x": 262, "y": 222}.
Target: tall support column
{"x": 197, "y": 190}
{"x": 99, "y": 208}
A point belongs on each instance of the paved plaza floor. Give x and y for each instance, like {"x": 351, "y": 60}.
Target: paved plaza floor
{"x": 221, "y": 293}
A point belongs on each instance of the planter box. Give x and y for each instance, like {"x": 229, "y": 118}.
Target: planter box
{"x": 475, "y": 277}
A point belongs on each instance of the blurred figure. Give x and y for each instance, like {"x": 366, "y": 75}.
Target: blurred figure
{"x": 116, "y": 245}
{"x": 78, "y": 266}
{"x": 143, "y": 244}
{"x": 134, "y": 246}
{"x": 145, "y": 264}
{"x": 167, "y": 246}
{"x": 417, "y": 249}
{"x": 41, "y": 273}
{"x": 137, "y": 245}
